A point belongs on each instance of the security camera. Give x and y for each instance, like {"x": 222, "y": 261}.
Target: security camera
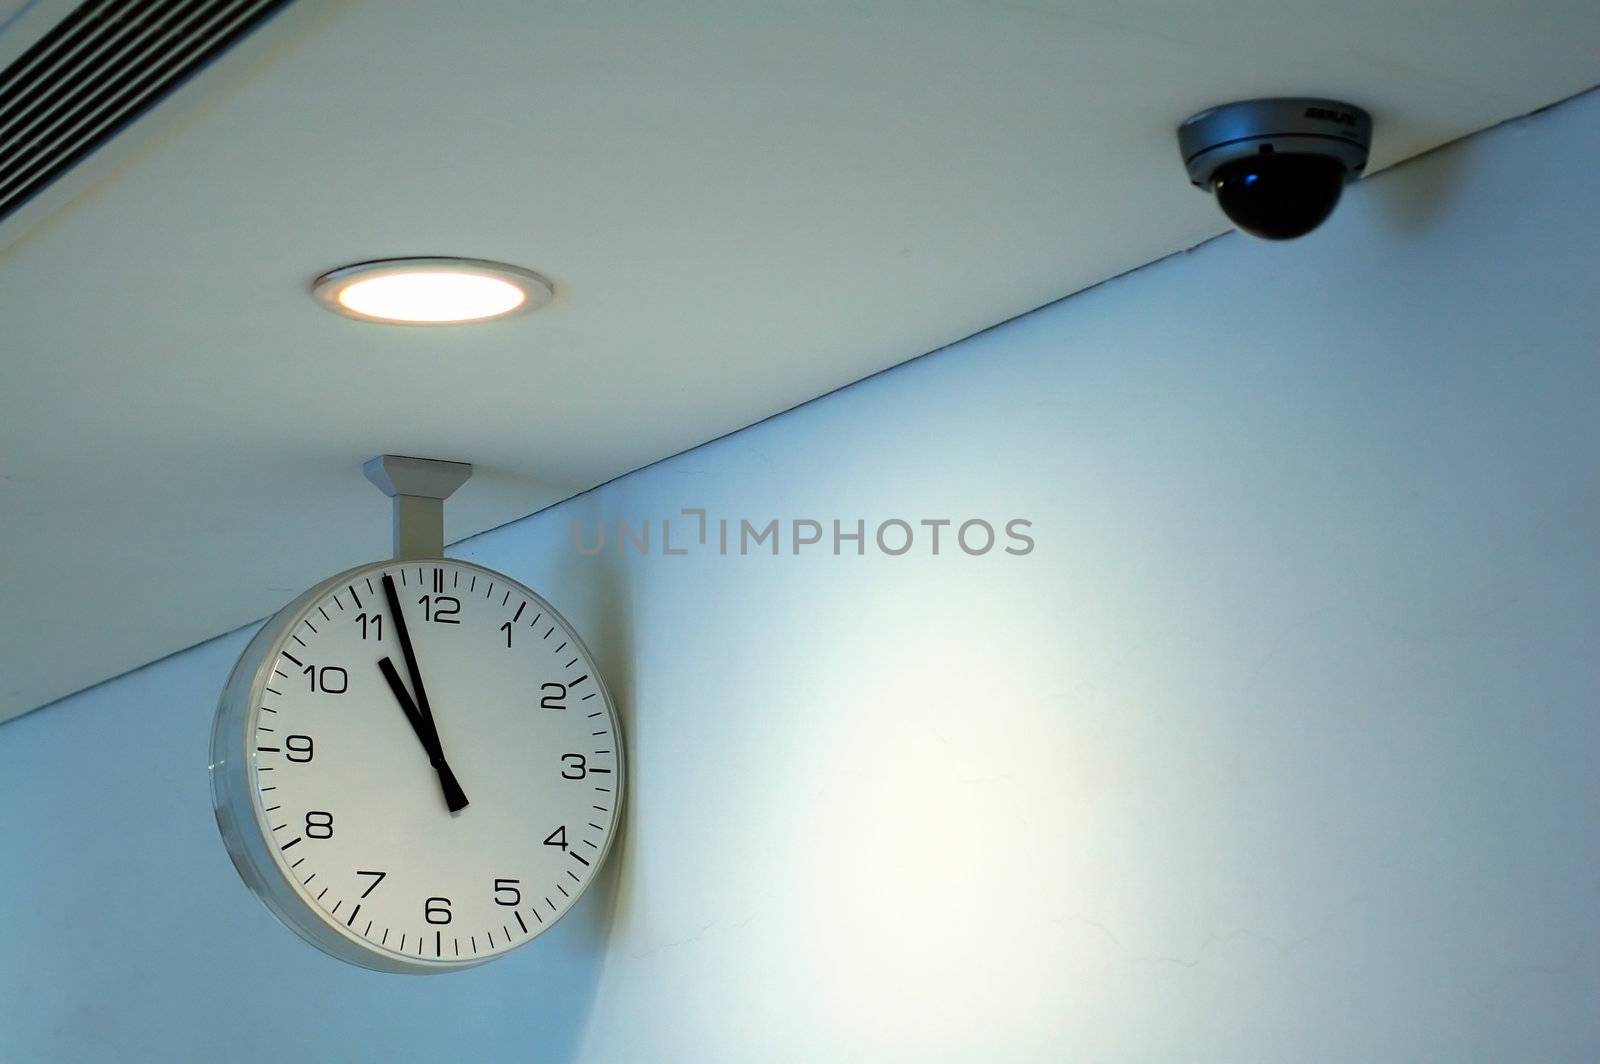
{"x": 1276, "y": 166}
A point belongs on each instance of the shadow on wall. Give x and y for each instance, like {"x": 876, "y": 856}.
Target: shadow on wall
{"x": 561, "y": 972}
{"x": 1415, "y": 203}
{"x": 611, "y": 639}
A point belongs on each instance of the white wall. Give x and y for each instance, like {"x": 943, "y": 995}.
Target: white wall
{"x": 1279, "y": 747}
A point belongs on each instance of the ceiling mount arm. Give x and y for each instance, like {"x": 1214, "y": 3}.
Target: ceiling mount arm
{"x": 419, "y": 487}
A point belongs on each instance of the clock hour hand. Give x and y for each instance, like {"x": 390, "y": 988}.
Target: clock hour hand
{"x": 454, "y": 797}
{"x": 408, "y": 707}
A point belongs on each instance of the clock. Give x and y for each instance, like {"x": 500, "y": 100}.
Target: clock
{"x": 416, "y": 765}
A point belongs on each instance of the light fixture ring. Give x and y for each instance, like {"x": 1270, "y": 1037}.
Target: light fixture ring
{"x": 334, "y": 288}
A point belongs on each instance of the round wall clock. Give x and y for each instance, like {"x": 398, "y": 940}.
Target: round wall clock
{"x": 416, "y": 766}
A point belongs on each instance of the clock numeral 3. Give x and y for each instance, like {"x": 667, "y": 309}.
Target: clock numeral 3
{"x": 577, "y": 766}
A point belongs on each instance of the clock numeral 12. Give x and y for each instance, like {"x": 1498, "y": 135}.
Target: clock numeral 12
{"x": 440, "y": 609}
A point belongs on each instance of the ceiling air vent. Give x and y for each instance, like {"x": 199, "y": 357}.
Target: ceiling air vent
{"x": 96, "y": 71}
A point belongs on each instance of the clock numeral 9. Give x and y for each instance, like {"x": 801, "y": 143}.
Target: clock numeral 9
{"x": 440, "y": 609}
{"x": 330, "y": 679}
{"x": 507, "y": 886}
{"x": 436, "y": 910}
{"x": 552, "y": 701}
{"x": 298, "y": 744}
{"x": 577, "y": 766}
{"x": 319, "y": 825}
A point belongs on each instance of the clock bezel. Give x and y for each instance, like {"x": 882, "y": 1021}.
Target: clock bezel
{"x": 244, "y": 826}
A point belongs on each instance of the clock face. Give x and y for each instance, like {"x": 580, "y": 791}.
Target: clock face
{"x": 418, "y": 767}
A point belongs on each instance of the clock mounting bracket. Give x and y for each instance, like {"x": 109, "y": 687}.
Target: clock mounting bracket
{"x": 419, "y": 487}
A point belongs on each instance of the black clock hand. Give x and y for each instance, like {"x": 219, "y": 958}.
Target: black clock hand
{"x": 408, "y": 707}
{"x": 453, "y": 795}
{"x": 427, "y": 731}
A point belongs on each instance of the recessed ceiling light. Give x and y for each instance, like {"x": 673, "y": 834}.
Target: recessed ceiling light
{"x": 431, "y": 291}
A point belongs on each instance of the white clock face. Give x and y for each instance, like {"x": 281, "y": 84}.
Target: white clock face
{"x": 423, "y": 806}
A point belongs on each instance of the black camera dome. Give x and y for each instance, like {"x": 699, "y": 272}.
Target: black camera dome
{"x": 1279, "y": 197}
{"x": 1276, "y": 166}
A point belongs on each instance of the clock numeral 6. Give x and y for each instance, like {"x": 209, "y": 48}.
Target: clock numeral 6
{"x": 319, "y": 825}
{"x": 436, "y": 910}
{"x": 508, "y": 887}
{"x": 298, "y": 745}
{"x": 330, "y": 679}
{"x": 577, "y": 766}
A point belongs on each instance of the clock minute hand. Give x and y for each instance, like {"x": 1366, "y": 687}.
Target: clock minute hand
{"x": 428, "y": 732}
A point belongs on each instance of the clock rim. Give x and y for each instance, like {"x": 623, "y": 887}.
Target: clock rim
{"x": 231, "y": 762}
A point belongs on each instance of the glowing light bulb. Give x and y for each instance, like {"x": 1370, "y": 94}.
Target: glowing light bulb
{"x": 431, "y": 291}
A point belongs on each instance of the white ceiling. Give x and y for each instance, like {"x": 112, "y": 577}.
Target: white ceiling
{"x": 743, "y": 206}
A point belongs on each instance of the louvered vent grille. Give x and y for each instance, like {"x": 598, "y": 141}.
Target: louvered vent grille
{"x": 100, "y": 68}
